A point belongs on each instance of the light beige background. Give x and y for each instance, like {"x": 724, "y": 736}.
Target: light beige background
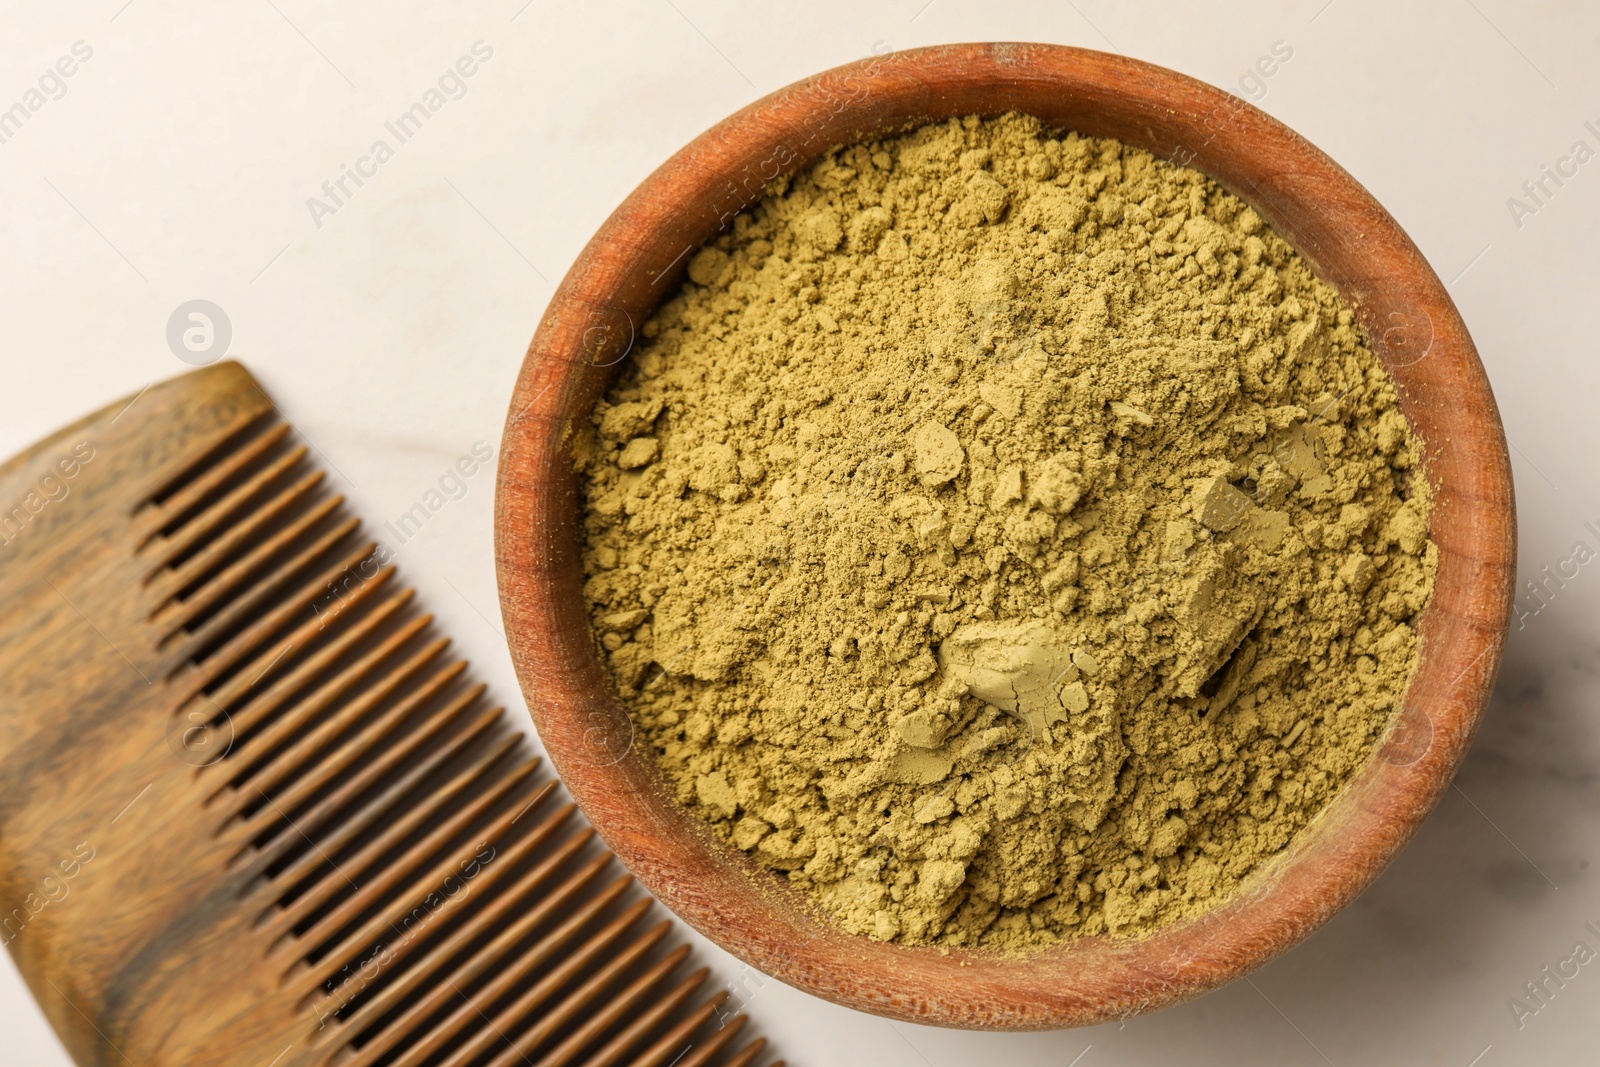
{"x": 179, "y": 161}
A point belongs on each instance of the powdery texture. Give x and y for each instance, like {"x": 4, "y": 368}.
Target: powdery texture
{"x": 1005, "y": 536}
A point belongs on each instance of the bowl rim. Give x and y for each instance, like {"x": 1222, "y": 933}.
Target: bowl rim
{"x": 637, "y": 257}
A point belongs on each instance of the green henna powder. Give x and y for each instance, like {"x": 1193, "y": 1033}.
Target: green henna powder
{"x": 1005, "y": 536}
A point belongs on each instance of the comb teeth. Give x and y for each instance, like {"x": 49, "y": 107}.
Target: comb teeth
{"x": 414, "y": 892}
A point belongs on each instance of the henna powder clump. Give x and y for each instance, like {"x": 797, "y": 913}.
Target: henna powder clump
{"x": 1005, "y": 536}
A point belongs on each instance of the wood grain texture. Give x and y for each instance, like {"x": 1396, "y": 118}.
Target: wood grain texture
{"x": 252, "y": 809}
{"x": 637, "y": 258}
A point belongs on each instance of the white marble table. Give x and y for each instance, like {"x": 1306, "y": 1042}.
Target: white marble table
{"x": 179, "y": 159}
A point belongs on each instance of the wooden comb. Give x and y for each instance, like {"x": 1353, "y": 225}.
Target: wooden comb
{"x": 252, "y": 811}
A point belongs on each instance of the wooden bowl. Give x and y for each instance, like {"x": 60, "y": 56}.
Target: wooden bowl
{"x": 637, "y": 259}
